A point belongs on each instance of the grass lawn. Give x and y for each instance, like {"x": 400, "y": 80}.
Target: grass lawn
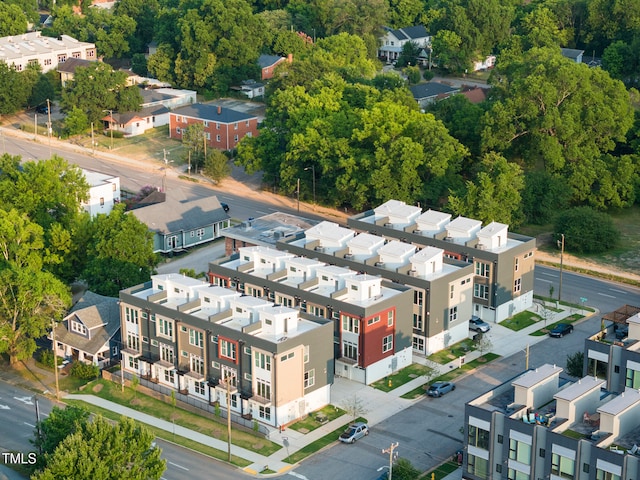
{"x": 458, "y": 350}
{"x": 168, "y": 436}
{"x": 573, "y": 434}
{"x": 521, "y": 320}
{"x": 310, "y": 423}
{"x": 199, "y": 423}
{"x": 319, "y": 444}
{"x": 403, "y": 376}
{"x": 441, "y": 471}
{"x": 453, "y": 374}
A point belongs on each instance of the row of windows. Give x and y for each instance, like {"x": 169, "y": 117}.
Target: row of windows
{"x": 181, "y": 119}
{"x": 180, "y": 131}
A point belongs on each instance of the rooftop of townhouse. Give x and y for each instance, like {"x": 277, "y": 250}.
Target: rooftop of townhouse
{"x": 465, "y": 231}
{"x": 33, "y": 44}
{"x": 583, "y": 409}
{"x": 310, "y": 275}
{"x": 367, "y": 249}
{"x": 258, "y": 317}
{"x": 268, "y": 229}
{"x": 96, "y": 179}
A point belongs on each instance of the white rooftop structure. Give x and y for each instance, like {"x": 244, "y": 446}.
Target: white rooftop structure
{"x": 432, "y": 222}
{"x": 396, "y": 252}
{"x": 104, "y": 192}
{"x": 329, "y": 234}
{"x": 493, "y": 236}
{"x": 398, "y": 212}
{"x": 427, "y": 261}
{"x": 462, "y": 229}
{"x": 365, "y": 244}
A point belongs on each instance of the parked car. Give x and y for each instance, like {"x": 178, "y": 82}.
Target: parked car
{"x": 622, "y": 332}
{"x": 561, "y": 329}
{"x": 224, "y": 206}
{"x": 478, "y": 325}
{"x": 354, "y": 432}
{"x": 42, "y": 108}
{"x": 438, "y": 389}
{"x": 384, "y": 475}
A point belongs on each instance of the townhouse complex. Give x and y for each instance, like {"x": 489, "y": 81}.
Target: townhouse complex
{"x": 541, "y": 426}
{"x": 19, "y": 51}
{"x": 208, "y": 343}
{"x": 503, "y": 262}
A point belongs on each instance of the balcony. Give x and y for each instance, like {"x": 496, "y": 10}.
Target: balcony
{"x": 230, "y": 385}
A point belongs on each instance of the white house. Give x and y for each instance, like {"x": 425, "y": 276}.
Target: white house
{"x": 22, "y": 50}
{"x": 104, "y": 192}
{"x": 393, "y": 40}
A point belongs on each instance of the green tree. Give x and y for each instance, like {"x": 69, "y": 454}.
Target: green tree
{"x": 130, "y": 454}
{"x": 404, "y": 12}
{"x": 60, "y": 423}
{"x": 14, "y": 91}
{"x": 13, "y": 21}
{"x": 413, "y": 74}
{"x": 120, "y": 253}
{"x": 160, "y": 64}
{"x": 408, "y": 55}
{"x": 193, "y": 139}
{"x": 404, "y": 470}
{"x": 139, "y": 64}
{"x": 495, "y": 194}
{"x": 217, "y": 166}
{"x": 586, "y": 230}
{"x": 541, "y": 28}
{"x": 76, "y": 122}
{"x": 543, "y": 196}
{"x": 462, "y": 119}
{"x": 575, "y": 363}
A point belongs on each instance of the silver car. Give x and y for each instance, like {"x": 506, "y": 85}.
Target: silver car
{"x": 354, "y": 432}
{"x": 479, "y": 325}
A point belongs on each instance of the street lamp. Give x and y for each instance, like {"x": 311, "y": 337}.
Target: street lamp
{"x": 313, "y": 172}
{"x": 561, "y": 245}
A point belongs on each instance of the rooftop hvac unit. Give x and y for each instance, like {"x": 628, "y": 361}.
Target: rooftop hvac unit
{"x": 379, "y": 264}
{"x": 348, "y": 256}
{"x": 481, "y": 246}
{"x": 319, "y": 249}
{"x": 413, "y": 273}
{"x": 390, "y": 225}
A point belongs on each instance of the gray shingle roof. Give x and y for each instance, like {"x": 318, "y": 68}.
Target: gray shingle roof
{"x": 409, "y": 33}
{"x": 72, "y": 63}
{"x": 268, "y": 60}
{"x": 210, "y": 112}
{"x": 431, "y": 89}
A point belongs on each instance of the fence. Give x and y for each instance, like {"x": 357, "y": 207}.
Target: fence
{"x": 187, "y": 402}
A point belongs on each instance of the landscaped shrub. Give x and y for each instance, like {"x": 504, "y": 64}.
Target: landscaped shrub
{"x": 586, "y": 230}
{"x": 47, "y": 358}
{"x": 84, "y": 370}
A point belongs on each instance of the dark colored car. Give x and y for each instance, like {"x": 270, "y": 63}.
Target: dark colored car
{"x": 561, "y": 330}
{"x": 478, "y": 325}
{"x": 224, "y": 206}
{"x": 42, "y": 109}
{"x": 438, "y": 389}
{"x": 354, "y": 432}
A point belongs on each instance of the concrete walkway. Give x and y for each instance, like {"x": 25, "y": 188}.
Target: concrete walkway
{"x": 378, "y": 405}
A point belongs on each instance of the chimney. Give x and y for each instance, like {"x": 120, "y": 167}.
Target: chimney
{"x": 290, "y": 58}
{"x": 219, "y": 110}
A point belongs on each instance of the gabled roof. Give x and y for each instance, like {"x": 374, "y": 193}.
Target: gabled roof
{"x": 431, "y": 89}
{"x": 70, "y": 65}
{"x": 409, "y": 33}
{"x": 213, "y": 113}
{"x": 128, "y": 117}
{"x": 475, "y": 94}
{"x": 571, "y": 53}
{"x": 173, "y": 216}
{"x": 269, "y": 60}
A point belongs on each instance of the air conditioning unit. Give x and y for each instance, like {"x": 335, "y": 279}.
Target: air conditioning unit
{"x": 481, "y": 246}
{"x": 379, "y": 264}
{"x": 417, "y": 231}
{"x": 413, "y": 273}
{"x": 348, "y": 256}
{"x": 448, "y": 239}
{"x": 390, "y": 225}
{"x": 319, "y": 249}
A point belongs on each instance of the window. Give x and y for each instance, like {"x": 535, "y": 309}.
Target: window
{"x": 131, "y": 315}
{"x": 373, "y": 320}
{"x": 166, "y": 353}
{"x": 263, "y": 389}
{"x": 632, "y": 378}
{"x": 200, "y": 232}
{"x": 452, "y": 291}
{"x": 208, "y": 135}
{"x": 169, "y": 376}
{"x": 199, "y": 387}
{"x": 206, "y": 124}
{"x": 133, "y": 363}
{"x": 227, "y": 349}
{"x": 264, "y": 412}
{"x": 247, "y": 123}
{"x": 481, "y": 291}
{"x": 350, "y": 350}
{"x": 478, "y": 437}
{"x": 387, "y": 343}
{"x": 215, "y": 365}
{"x": 47, "y": 61}
{"x": 91, "y": 53}
{"x": 604, "y": 475}
{"x": 183, "y": 329}
{"x": 562, "y": 466}
{"x": 178, "y": 131}
{"x": 145, "y": 339}
{"x": 78, "y": 327}
{"x": 235, "y": 138}
{"x": 482, "y": 269}
{"x": 261, "y": 360}
{"x": 217, "y": 138}
{"x": 235, "y": 126}
{"x": 229, "y": 374}
{"x": 517, "y": 265}
{"x": 133, "y": 342}
{"x": 350, "y": 324}
{"x": 196, "y": 338}
{"x": 477, "y": 466}
{"x": 165, "y": 328}
{"x": 520, "y": 451}
{"x": 418, "y": 297}
{"x": 62, "y": 58}
{"x": 102, "y": 201}
{"x": 286, "y": 357}
{"x": 196, "y": 364}
{"x": 517, "y": 475}
{"x": 154, "y": 342}
{"x": 418, "y": 343}
{"x": 453, "y": 314}
{"x": 310, "y": 380}
{"x": 218, "y": 128}
{"x": 517, "y": 285}
{"x": 417, "y": 321}
{"x": 306, "y": 354}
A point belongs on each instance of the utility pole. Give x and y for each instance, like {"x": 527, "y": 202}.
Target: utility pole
{"x": 39, "y": 432}
{"x": 35, "y": 127}
{"x": 390, "y": 451}
{"x": 49, "y": 129}
{"x": 298, "y": 193}
{"x": 228, "y": 381}
{"x": 189, "y": 167}
{"x": 561, "y": 262}
{"x": 55, "y": 357}
{"x": 166, "y": 165}
{"x": 313, "y": 172}
{"x": 93, "y": 143}
{"x": 111, "y": 126}
{"x": 526, "y": 358}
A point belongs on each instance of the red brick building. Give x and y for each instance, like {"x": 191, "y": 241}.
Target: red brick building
{"x": 223, "y": 127}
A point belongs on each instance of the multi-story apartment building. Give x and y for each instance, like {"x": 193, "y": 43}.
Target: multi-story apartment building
{"x": 539, "y": 426}
{"x": 614, "y": 353}
{"x": 19, "y": 51}
{"x": 223, "y": 127}
{"x": 371, "y": 317}
{"x": 441, "y": 288}
{"x": 503, "y": 262}
{"x": 207, "y": 342}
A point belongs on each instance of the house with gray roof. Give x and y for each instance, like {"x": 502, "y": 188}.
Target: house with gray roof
{"x": 268, "y": 63}
{"x": 394, "y": 39}
{"x": 90, "y": 333}
{"x": 572, "y": 54}
{"x": 430, "y": 92}
{"x": 178, "y": 225}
